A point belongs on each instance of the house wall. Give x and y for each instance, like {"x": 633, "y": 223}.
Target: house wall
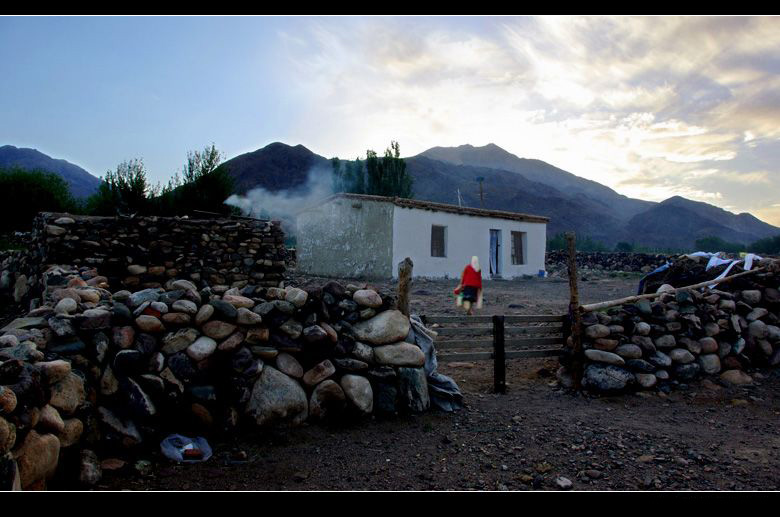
{"x": 346, "y": 238}
{"x": 466, "y": 236}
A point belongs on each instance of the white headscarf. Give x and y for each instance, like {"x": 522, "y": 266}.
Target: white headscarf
{"x": 475, "y": 263}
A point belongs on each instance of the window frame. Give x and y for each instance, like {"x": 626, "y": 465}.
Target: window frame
{"x": 522, "y": 236}
{"x": 443, "y": 241}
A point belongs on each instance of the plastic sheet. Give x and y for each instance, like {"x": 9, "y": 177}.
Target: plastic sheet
{"x": 174, "y": 446}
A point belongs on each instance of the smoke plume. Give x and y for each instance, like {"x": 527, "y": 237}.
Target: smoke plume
{"x": 285, "y": 205}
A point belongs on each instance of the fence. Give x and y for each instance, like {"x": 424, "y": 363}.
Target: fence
{"x": 462, "y": 336}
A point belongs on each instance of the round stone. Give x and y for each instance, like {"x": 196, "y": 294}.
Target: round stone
{"x": 319, "y": 373}
{"x": 601, "y": 356}
{"x": 149, "y": 324}
{"x": 367, "y": 298}
{"x": 202, "y": 348}
{"x": 289, "y": 365}
{"x": 358, "y": 391}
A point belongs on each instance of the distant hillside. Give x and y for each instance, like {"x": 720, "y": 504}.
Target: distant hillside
{"x": 82, "y": 184}
{"x": 503, "y": 190}
{"x": 275, "y": 167}
{"x": 494, "y": 157}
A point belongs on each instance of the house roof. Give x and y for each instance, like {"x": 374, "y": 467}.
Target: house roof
{"x": 441, "y": 207}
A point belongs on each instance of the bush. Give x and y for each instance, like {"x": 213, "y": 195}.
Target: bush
{"x": 24, "y": 193}
{"x": 769, "y": 245}
{"x": 714, "y": 244}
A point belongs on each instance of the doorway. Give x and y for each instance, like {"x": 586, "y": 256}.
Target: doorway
{"x": 495, "y": 254}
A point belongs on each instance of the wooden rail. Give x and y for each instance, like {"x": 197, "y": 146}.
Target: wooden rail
{"x": 462, "y": 334}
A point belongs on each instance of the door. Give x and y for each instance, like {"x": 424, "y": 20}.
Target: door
{"x": 495, "y": 253}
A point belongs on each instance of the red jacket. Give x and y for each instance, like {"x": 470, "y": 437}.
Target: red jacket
{"x": 471, "y": 278}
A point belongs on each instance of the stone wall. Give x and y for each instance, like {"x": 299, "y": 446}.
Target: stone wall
{"x": 93, "y": 372}
{"x": 145, "y": 252}
{"x": 681, "y": 337}
{"x": 557, "y": 261}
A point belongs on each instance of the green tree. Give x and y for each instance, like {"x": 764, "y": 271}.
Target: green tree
{"x": 713, "y": 244}
{"x": 204, "y": 185}
{"x": 124, "y": 191}
{"x": 24, "y": 193}
{"x": 625, "y": 247}
{"x": 768, "y": 245}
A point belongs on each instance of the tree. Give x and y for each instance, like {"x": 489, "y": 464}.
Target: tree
{"x": 768, "y": 245}
{"x": 380, "y": 177}
{"x": 625, "y": 247}
{"x": 714, "y": 244}
{"x": 124, "y": 191}
{"x": 204, "y": 185}
{"x": 24, "y": 193}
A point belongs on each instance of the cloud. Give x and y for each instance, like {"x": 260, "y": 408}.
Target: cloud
{"x": 651, "y": 106}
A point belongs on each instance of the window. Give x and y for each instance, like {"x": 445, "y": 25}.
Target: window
{"x": 438, "y": 241}
{"x": 517, "y": 247}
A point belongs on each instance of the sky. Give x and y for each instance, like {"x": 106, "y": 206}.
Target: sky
{"x": 652, "y": 107}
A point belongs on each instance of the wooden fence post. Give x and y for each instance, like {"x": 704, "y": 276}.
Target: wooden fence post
{"x": 499, "y": 357}
{"x": 575, "y": 313}
{"x": 404, "y": 284}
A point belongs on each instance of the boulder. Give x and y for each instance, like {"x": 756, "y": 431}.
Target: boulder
{"x": 37, "y": 458}
{"x": 413, "y": 389}
{"x": 646, "y": 380}
{"x": 358, "y": 392}
{"x": 277, "y": 399}
{"x": 629, "y": 351}
{"x": 736, "y": 377}
{"x": 296, "y": 296}
{"x": 68, "y": 394}
{"x": 327, "y": 398}
{"x": 319, "y": 373}
{"x": 606, "y": 378}
{"x": 710, "y": 363}
{"x": 680, "y": 355}
{"x": 149, "y": 324}
{"x": 367, "y": 298}
{"x": 201, "y": 348}
{"x": 219, "y": 330}
{"x": 177, "y": 341}
{"x": 399, "y": 354}
{"x": 601, "y": 356}
{"x": 289, "y": 365}
{"x": 597, "y": 331}
{"x": 384, "y": 328}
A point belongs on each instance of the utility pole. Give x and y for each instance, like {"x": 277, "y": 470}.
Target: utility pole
{"x": 480, "y": 179}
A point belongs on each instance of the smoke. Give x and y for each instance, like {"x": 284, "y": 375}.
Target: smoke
{"x": 285, "y": 205}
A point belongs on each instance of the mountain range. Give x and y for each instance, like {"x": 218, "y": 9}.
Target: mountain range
{"x": 82, "y": 184}
{"x": 510, "y": 183}
{"x": 522, "y": 185}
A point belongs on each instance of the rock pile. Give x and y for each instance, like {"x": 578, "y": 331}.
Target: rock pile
{"x": 557, "y": 261}
{"x": 683, "y": 336}
{"x": 91, "y": 370}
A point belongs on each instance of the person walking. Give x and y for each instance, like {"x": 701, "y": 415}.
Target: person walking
{"x": 471, "y": 286}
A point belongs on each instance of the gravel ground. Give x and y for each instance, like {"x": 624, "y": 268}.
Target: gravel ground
{"x": 706, "y": 437}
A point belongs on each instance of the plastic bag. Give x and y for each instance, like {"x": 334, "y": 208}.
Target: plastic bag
{"x": 174, "y": 447}
{"x": 459, "y": 300}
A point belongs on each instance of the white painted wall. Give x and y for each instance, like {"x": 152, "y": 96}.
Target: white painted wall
{"x": 466, "y": 235}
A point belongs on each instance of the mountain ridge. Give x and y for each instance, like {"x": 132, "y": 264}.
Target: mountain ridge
{"x": 82, "y": 184}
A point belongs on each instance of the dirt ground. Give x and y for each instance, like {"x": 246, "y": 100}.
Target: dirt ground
{"x": 705, "y": 437}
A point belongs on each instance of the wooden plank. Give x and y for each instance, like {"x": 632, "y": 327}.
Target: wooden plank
{"x": 453, "y": 331}
{"x": 513, "y": 318}
{"x": 477, "y": 356}
{"x": 486, "y": 356}
{"x": 527, "y": 354}
{"x": 488, "y": 343}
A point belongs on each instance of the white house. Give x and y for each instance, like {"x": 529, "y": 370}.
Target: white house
{"x": 355, "y": 235}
